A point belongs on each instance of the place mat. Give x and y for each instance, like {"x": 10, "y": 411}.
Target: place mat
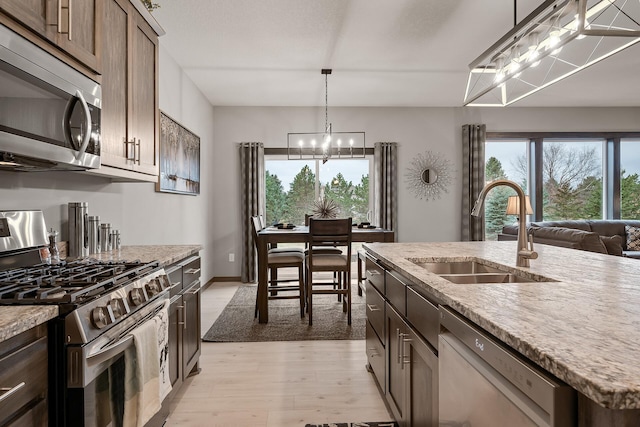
{"x": 237, "y": 324}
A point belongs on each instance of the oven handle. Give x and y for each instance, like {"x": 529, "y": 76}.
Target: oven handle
{"x": 108, "y": 352}
{"x": 123, "y": 343}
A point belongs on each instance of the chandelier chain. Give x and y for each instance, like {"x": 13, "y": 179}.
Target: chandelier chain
{"x": 326, "y": 104}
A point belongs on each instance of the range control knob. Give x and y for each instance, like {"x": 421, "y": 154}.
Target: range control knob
{"x": 153, "y": 287}
{"x": 118, "y": 307}
{"x": 136, "y": 296}
{"x": 100, "y": 317}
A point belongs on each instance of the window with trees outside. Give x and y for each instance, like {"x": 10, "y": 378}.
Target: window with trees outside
{"x": 292, "y": 187}
{"x": 630, "y": 179}
{"x": 577, "y": 176}
{"x": 503, "y": 161}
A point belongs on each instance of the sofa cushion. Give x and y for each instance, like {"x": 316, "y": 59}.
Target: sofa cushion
{"x": 613, "y": 244}
{"x": 633, "y": 238}
{"x": 573, "y": 224}
{"x": 606, "y": 227}
{"x": 568, "y": 238}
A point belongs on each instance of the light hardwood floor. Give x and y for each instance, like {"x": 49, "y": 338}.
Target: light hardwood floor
{"x": 275, "y": 384}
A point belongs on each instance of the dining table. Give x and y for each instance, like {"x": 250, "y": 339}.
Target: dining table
{"x": 300, "y": 234}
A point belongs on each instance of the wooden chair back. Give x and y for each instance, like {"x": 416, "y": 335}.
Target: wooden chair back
{"x": 255, "y": 227}
{"x": 330, "y": 233}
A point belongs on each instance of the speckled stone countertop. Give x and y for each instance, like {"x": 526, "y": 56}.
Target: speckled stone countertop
{"x": 584, "y": 328}
{"x": 17, "y": 319}
{"x": 166, "y": 254}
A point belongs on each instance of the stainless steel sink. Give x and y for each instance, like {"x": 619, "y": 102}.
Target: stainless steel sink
{"x": 471, "y": 272}
{"x": 486, "y": 278}
{"x": 458, "y": 267}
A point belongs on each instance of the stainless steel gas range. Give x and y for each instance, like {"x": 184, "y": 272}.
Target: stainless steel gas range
{"x": 100, "y": 304}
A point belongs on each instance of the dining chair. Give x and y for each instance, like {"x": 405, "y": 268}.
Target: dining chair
{"x": 276, "y": 260}
{"x": 331, "y": 233}
{"x": 273, "y": 248}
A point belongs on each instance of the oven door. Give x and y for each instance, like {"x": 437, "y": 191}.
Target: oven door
{"x": 96, "y": 373}
{"x": 49, "y": 113}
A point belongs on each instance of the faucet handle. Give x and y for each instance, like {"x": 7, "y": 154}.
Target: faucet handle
{"x": 530, "y": 242}
{"x": 528, "y": 253}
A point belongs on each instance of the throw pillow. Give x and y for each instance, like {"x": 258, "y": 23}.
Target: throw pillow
{"x": 613, "y": 244}
{"x": 633, "y": 238}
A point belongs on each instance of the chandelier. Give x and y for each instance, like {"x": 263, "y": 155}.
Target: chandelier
{"x": 327, "y": 144}
{"x": 558, "y": 39}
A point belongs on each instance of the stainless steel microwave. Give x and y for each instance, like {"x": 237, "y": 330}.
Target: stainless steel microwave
{"x": 49, "y": 112}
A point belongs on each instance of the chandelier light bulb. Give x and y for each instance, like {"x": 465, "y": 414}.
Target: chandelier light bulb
{"x": 351, "y": 142}
{"x": 300, "y": 143}
{"x": 313, "y": 142}
{"x": 499, "y": 70}
{"x": 339, "y": 142}
{"x": 554, "y": 39}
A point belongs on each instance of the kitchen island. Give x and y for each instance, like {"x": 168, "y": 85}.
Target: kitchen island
{"x": 583, "y": 327}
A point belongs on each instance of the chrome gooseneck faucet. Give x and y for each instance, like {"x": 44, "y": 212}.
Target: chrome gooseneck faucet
{"x": 525, "y": 243}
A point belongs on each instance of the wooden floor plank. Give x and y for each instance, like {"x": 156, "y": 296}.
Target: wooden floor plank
{"x": 275, "y": 384}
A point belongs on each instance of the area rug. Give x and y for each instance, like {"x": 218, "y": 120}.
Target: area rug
{"x": 237, "y": 324}
{"x": 370, "y": 424}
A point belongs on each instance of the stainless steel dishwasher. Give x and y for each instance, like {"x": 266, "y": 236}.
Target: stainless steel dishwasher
{"x": 482, "y": 383}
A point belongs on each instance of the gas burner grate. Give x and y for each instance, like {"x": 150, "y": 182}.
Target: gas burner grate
{"x": 70, "y": 282}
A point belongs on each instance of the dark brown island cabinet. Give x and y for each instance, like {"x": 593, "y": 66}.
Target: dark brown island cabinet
{"x": 401, "y": 342}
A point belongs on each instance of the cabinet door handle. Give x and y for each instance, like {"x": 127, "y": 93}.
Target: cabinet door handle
{"x": 69, "y": 12}
{"x": 9, "y": 391}
{"x": 398, "y": 342}
{"x": 373, "y": 272}
{"x": 181, "y": 307}
{"x": 184, "y": 316}
{"x": 130, "y": 149}
{"x": 402, "y": 338}
{"x": 139, "y": 153}
{"x": 174, "y": 285}
{"x": 373, "y": 351}
{"x": 193, "y": 292}
{"x": 373, "y": 307}
{"x": 405, "y": 358}
{"x": 193, "y": 271}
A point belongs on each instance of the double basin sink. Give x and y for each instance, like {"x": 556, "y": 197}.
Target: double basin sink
{"x": 470, "y": 272}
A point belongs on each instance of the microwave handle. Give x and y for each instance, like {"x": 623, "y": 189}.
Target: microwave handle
{"x": 87, "y": 134}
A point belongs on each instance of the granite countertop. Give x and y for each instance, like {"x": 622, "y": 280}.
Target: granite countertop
{"x": 584, "y": 327}
{"x": 17, "y": 319}
{"x": 166, "y": 254}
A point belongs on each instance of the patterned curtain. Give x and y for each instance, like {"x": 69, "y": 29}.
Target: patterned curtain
{"x": 473, "y": 140}
{"x": 252, "y": 203}
{"x": 386, "y": 185}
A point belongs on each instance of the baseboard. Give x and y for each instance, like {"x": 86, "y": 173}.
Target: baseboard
{"x": 225, "y": 279}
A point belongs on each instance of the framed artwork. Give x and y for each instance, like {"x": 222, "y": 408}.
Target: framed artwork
{"x": 179, "y": 158}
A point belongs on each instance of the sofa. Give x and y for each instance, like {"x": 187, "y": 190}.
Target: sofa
{"x": 612, "y": 237}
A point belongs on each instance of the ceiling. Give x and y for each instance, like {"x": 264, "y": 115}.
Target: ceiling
{"x": 397, "y": 53}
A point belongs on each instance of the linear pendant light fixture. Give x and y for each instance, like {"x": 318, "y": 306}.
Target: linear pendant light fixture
{"x": 327, "y": 144}
{"x": 558, "y": 39}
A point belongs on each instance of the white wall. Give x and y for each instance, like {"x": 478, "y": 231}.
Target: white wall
{"x": 141, "y": 214}
{"x": 414, "y": 129}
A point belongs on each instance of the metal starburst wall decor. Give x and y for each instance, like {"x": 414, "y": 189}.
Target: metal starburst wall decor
{"x": 429, "y": 175}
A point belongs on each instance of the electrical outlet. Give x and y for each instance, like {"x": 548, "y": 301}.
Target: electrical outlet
{"x": 232, "y": 257}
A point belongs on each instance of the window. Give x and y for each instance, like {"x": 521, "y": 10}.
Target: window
{"x": 572, "y": 179}
{"x": 630, "y": 179}
{"x": 579, "y": 175}
{"x": 292, "y": 186}
{"x": 505, "y": 159}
